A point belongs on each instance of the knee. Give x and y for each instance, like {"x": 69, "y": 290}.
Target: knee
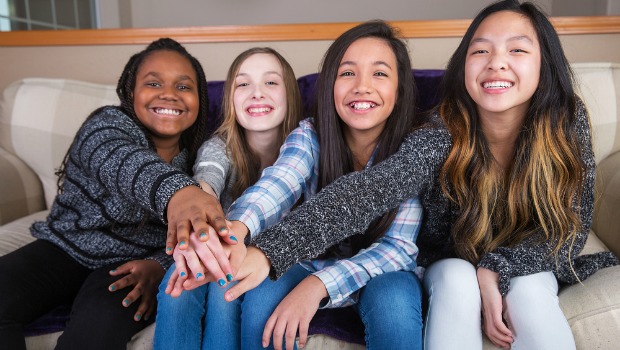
{"x": 394, "y": 290}
{"x": 452, "y": 276}
{"x": 532, "y": 292}
{"x": 394, "y": 295}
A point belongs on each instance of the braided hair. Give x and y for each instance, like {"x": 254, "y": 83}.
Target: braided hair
{"x": 194, "y": 136}
{"x": 191, "y": 138}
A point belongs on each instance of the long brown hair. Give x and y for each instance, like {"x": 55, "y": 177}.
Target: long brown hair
{"x": 335, "y": 158}
{"x": 537, "y": 193}
{"x": 243, "y": 161}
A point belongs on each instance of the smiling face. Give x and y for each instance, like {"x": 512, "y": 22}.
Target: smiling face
{"x": 366, "y": 85}
{"x": 260, "y": 94}
{"x": 166, "y": 96}
{"x": 502, "y": 68}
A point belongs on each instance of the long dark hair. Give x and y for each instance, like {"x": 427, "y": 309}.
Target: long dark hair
{"x": 193, "y": 137}
{"x": 537, "y": 193}
{"x": 335, "y": 157}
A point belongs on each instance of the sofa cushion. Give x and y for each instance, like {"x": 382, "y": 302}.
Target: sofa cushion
{"x": 40, "y": 118}
{"x": 17, "y": 233}
{"x": 20, "y": 188}
{"x": 606, "y": 221}
{"x": 599, "y": 86}
{"x": 592, "y": 309}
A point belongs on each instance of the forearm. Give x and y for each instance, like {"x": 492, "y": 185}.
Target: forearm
{"x": 348, "y": 205}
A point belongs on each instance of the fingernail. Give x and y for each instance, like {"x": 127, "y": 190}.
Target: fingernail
{"x": 221, "y": 282}
{"x": 223, "y": 229}
{"x": 112, "y": 288}
{"x": 146, "y": 318}
{"x": 182, "y": 274}
{"x": 168, "y": 249}
{"x": 233, "y": 238}
{"x": 229, "y": 277}
{"x": 113, "y": 270}
{"x": 182, "y": 243}
{"x": 138, "y": 317}
{"x": 126, "y": 302}
{"x": 198, "y": 275}
{"x": 203, "y": 235}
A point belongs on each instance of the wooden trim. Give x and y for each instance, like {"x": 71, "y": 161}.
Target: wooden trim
{"x": 277, "y": 32}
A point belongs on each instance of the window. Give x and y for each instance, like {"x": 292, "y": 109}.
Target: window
{"x": 47, "y": 14}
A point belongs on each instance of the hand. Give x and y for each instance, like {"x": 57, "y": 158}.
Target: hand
{"x": 493, "y": 323}
{"x": 254, "y": 269}
{"x": 176, "y": 282}
{"x": 204, "y": 257}
{"x": 144, "y": 276}
{"x": 192, "y": 209}
{"x": 294, "y": 313}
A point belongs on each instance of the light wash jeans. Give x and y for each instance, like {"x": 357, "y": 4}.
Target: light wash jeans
{"x": 531, "y": 309}
{"x": 181, "y": 322}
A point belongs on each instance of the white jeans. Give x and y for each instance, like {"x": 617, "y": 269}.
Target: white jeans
{"x": 531, "y": 309}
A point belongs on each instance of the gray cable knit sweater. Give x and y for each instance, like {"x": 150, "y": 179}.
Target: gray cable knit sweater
{"x": 349, "y": 204}
{"x": 115, "y": 195}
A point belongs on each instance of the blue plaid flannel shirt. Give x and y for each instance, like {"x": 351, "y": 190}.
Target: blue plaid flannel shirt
{"x": 295, "y": 173}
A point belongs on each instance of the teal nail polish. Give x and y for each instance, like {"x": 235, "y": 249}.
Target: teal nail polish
{"x": 221, "y": 282}
{"x": 182, "y": 274}
{"x": 233, "y": 238}
{"x": 229, "y": 277}
{"x": 182, "y": 243}
{"x": 168, "y": 249}
{"x": 203, "y": 235}
{"x": 223, "y": 229}
{"x": 113, "y": 270}
{"x": 138, "y": 317}
{"x": 112, "y": 288}
{"x": 126, "y": 302}
{"x": 198, "y": 275}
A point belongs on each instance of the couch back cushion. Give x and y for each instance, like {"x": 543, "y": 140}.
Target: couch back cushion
{"x": 40, "y": 117}
{"x": 599, "y": 86}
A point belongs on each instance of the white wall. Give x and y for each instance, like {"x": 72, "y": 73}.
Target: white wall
{"x": 175, "y": 13}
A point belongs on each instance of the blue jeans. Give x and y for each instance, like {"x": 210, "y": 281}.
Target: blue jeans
{"x": 390, "y": 307}
{"x": 184, "y": 322}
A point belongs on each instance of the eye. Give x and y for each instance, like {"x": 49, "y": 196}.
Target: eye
{"x": 478, "y": 52}
{"x": 518, "y": 50}
{"x": 381, "y": 74}
{"x": 152, "y": 84}
{"x": 242, "y": 84}
{"x": 271, "y": 83}
{"x": 346, "y": 74}
{"x": 183, "y": 87}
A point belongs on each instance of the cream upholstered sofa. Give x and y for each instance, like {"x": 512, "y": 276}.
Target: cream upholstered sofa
{"x": 40, "y": 116}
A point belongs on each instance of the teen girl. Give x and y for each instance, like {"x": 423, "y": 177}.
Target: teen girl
{"x": 505, "y": 171}
{"x": 365, "y": 107}
{"x": 261, "y": 105}
{"x": 106, "y": 229}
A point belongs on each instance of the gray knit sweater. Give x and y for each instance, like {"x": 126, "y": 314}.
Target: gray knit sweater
{"x": 214, "y": 168}
{"x": 349, "y": 204}
{"x": 115, "y": 195}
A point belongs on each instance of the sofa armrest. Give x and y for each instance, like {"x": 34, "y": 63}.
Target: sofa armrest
{"x": 606, "y": 221}
{"x": 22, "y": 193}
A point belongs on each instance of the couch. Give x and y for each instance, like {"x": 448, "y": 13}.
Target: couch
{"x": 39, "y": 117}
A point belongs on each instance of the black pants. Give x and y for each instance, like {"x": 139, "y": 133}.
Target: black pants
{"x": 40, "y": 276}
